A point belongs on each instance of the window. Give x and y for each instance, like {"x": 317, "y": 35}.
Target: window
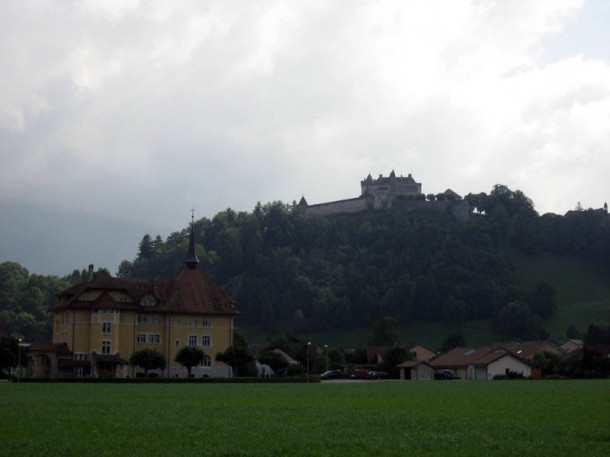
{"x": 141, "y": 338}
{"x": 155, "y": 318}
{"x": 206, "y": 341}
{"x": 148, "y": 301}
{"x": 154, "y": 338}
{"x": 177, "y": 343}
{"x": 206, "y": 323}
{"x": 80, "y": 356}
{"x": 106, "y": 328}
{"x": 192, "y": 340}
{"x": 141, "y": 318}
{"x": 207, "y": 361}
{"x": 193, "y": 322}
{"x": 106, "y": 346}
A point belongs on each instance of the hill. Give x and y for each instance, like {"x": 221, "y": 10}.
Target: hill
{"x": 503, "y": 272}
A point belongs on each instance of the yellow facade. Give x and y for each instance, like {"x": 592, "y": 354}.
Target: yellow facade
{"x": 109, "y": 332}
{"x": 105, "y": 320}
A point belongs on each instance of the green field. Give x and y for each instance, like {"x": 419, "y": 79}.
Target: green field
{"x": 391, "y": 418}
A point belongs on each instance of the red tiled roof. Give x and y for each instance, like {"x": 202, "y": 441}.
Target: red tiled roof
{"x": 527, "y": 349}
{"x": 58, "y": 348}
{"x": 191, "y": 292}
{"x": 412, "y": 364}
{"x": 462, "y": 357}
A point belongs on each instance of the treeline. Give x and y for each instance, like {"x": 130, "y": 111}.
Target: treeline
{"x": 26, "y": 300}
{"x": 290, "y": 273}
{"x": 293, "y": 273}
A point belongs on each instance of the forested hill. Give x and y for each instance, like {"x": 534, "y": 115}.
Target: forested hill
{"x": 297, "y": 274}
{"x": 305, "y": 274}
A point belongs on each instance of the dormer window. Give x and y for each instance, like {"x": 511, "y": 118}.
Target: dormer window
{"x": 148, "y": 301}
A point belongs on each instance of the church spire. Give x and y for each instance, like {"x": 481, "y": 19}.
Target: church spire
{"x": 191, "y": 257}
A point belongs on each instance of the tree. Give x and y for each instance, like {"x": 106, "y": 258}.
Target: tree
{"x": 573, "y": 332}
{"x": 276, "y": 361}
{"x": 146, "y": 248}
{"x": 189, "y": 356}
{"x": 148, "y": 359}
{"x": 597, "y": 334}
{"x": 392, "y": 358}
{"x": 516, "y": 320}
{"x": 543, "y": 299}
{"x": 546, "y": 362}
{"x": 453, "y": 340}
{"x": 384, "y": 332}
{"x": 237, "y": 357}
{"x": 8, "y": 353}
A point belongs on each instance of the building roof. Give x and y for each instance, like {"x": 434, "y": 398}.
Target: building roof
{"x": 191, "y": 292}
{"x": 527, "y": 349}
{"x": 571, "y": 344}
{"x": 60, "y": 349}
{"x": 412, "y": 364}
{"x": 462, "y": 357}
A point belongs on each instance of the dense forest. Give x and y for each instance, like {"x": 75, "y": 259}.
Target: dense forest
{"x": 298, "y": 274}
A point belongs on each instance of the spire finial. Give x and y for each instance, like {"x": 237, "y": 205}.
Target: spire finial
{"x": 191, "y": 257}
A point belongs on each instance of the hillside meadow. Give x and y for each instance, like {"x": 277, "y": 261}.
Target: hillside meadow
{"x": 389, "y": 418}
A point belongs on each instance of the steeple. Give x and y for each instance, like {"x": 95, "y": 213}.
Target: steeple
{"x": 191, "y": 257}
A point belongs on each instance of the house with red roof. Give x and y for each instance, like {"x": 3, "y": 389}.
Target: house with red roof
{"x": 102, "y": 321}
{"x": 483, "y": 363}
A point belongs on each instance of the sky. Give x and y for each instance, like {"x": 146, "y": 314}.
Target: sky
{"x": 118, "y": 117}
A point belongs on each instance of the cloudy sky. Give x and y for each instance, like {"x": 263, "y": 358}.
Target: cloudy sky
{"x": 117, "y": 117}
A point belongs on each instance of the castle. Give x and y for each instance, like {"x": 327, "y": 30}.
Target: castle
{"x": 389, "y": 192}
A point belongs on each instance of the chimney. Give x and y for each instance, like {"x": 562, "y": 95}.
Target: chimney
{"x": 90, "y": 272}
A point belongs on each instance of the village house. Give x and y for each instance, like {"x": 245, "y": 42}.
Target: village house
{"x": 482, "y": 364}
{"x": 417, "y": 369}
{"x": 99, "y": 323}
{"x": 527, "y": 349}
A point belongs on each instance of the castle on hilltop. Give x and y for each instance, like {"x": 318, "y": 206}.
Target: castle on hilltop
{"x": 391, "y": 192}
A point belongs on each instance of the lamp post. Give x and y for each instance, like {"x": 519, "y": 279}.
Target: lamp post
{"x": 326, "y": 355}
{"x": 19, "y": 360}
{"x": 308, "y": 346}
{"x": 19, "y": 346}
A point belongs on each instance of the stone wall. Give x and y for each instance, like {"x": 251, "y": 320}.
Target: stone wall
{"x": 352, "y": 205}
{"x": 457, "y": 208}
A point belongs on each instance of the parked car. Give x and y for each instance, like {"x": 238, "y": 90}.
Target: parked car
{"x": 359, "y": 373}
{"x": 377, "y": 375}
{"x": 444, "y": 374}
{"x": 331, "y": 374}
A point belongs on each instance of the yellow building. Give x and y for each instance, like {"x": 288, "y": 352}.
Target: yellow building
{"x": 104, "y": 320}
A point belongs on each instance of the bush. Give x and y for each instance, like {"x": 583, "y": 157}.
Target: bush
{"x": 295, "y": 370}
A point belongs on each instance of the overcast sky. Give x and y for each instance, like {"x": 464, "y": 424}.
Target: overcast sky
{"x": 117, "y": 117}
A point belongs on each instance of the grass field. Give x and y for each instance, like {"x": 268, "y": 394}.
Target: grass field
{"x": 583, "y": 289}
{"x": 392, "y": 418}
